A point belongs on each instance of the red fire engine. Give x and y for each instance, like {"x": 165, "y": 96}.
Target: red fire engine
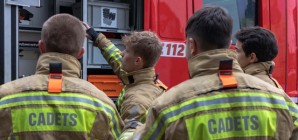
{"x": 167, "y": 18}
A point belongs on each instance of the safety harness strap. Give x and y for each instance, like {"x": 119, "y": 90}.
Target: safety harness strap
{"x": 161, "y": 84}
{"x": 225, "y": 74}
{"x": 55, "y": 78}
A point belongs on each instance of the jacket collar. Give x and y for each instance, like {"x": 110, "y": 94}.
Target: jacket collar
{"x": 259, "y": 68}
{"x": 139, "y": 76}
{"x": 70, "y": 65}
{"x": 207, "y": 63}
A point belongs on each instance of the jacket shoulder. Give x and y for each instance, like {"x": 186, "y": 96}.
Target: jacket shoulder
{"x": 209, "y": 83}
{"x": 34, "y": 82}
{"x": 252, "y": 82}
{"x": 143, "y": 89}
{"x": 142, "y": 94}
{"x": 39, "y": 82}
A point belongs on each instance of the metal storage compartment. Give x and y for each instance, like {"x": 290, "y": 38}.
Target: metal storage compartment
{"x": 108, "y": 15}
{"x": 34, "y": 17}
{"x": 95, "y": 57}
{"x": 28, "y": 52}
{"x": 28, "y": 57}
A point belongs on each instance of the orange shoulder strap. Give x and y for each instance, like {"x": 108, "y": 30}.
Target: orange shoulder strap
{"x": 225, "y": 74}
{"x": 161, "y": 85}
{"x": 55, "y": 78}
{"x": 270, "y": 76}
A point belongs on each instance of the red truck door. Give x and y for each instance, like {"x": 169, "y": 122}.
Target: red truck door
{"x": 167, "y": 18}
{"x": 281, "y": 18}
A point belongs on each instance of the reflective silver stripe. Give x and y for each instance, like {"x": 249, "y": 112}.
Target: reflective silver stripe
{"x": 64, "y": 99}
{"x": 218, "y": 102}
{"x": 110, "y": 49}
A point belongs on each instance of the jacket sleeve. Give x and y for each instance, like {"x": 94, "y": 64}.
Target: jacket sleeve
{"x": 294, "y": 113}
{"x": 108, "y": 125}
{"x": 293, "y": 109}
{"x": 142, "y": 131}
{"x": 149, "y": 129}
{"x": 131, "y": 113}
{"x": 116, "y": 126}
{"x": 132, "y": 110}
{"x": 111, "y": 53}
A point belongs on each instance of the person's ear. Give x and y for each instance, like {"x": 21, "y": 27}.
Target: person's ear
{"x": 139, "y": 61}
{"x": 253, "y": 58}
{"x": 42, "y": 46}
{"x": 81, "y": 53}
{"x": 193, "y": 47}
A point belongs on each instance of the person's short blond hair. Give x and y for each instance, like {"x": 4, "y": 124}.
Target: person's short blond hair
{"x": 145, "y": 44}
{"x": 63, "y": 33}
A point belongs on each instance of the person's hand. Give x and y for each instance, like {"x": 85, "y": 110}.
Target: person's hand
{"x": 91, "y": 34}
{"x": 86, "y": 25}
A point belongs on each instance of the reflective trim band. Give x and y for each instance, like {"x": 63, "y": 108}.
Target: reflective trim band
{"x": 293, "y": 108}
{"x": 116, "y": 57}
{"x": 110, "y": 49}
{"x": 112, "y": 52}
{"x": 120, "y": 99}
{"x": 221, "y": 100}
{"x": 126, "y": 134}
{"x": 142, "y": 118}
{"x": 52, "y": 119}
{"x": 40, "y": 98}
{"x": 229, "y": 124}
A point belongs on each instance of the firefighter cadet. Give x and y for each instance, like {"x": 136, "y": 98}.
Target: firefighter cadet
{"x": 135, "y": 67}
{"x": 256, "y": 48}
{"x": 219, "y": 101}
{"x": 55, "y": 104}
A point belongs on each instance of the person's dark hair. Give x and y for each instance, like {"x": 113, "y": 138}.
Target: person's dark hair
{"x": 146, "y": 44}
{"x": 260, "y": 41}
{"x": 63, "y": 33}
{"x": 211, "y": 27}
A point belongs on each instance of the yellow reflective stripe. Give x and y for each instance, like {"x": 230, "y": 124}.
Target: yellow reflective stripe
{"x": 126, "y": 134}
{"x": 32, "y": 102}
{"x": 27, "y": 102}
{"x": 221, "y": 100}
{"x": 142, "y": 118}
{"x": 293, "y": 108}
{"x": 30, "y": 98}
{"x": 229, "y": 124}
{"x": 120, "y": 99}
{"x": 52, "y": 119}
{"x": 40, "y": 93}
{"x": 115, "y": 55}
{"x": 112, "y": 52}
{"x": 296, "y": 123}
{"x": 225, "y": 95}
{"x": 106, "y": 50}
